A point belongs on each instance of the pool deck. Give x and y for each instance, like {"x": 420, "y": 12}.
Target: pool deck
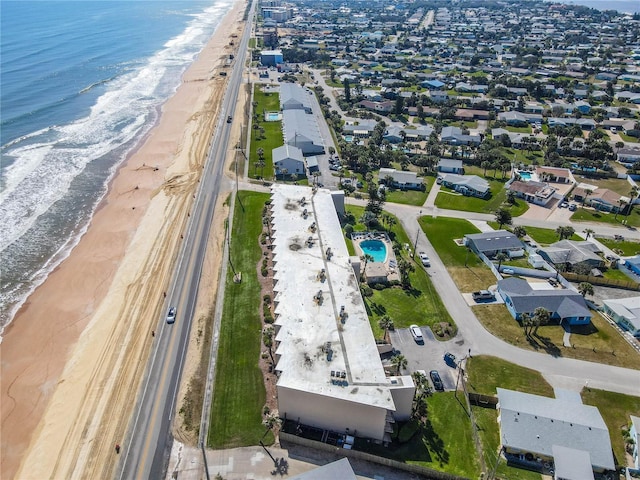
{"x": 390, "y": 262}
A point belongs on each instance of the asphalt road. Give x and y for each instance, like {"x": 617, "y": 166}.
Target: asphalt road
{"x": 146, "y": 452}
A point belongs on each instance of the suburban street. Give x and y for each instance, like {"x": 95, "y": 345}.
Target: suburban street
{"x": 146, "y": 452}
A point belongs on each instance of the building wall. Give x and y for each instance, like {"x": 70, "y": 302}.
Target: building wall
{"x": 332, "y": 413}
{"x": 403, "y": 399}
{"x": 292, "y": 166}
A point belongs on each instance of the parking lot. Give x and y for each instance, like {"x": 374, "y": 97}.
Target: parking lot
{"x": 429, "y": 355}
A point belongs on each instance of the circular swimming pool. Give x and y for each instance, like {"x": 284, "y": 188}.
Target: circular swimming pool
{"x": 376, "y": 248}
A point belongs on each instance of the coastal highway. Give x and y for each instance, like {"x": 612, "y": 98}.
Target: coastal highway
{"x": 145, "y": 451}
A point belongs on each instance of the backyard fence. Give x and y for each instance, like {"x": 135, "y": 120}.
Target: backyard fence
{"x": 605, "y": 282}
{"x": 485, "y": 401}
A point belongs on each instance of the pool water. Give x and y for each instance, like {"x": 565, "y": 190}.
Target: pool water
{"x": 525, "y": 175}
{"x": 376, "y": 248}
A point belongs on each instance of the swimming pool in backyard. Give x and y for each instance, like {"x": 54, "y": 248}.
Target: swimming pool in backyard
{"x": 376, "y": 248}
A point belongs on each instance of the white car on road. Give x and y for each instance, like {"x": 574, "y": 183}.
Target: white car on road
{"x": 424, "y": 259}
{"x": 416, "y": 333}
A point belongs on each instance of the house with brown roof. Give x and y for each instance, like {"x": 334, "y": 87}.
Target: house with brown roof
{"x": 601, "y": 199}
{"x": 555, "y": 175}
{"x": 538, "y": 193}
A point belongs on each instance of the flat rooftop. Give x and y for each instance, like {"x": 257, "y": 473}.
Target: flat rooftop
{"x": 314, "y": 338}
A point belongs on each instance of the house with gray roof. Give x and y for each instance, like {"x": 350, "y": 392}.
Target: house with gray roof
{"x": 450, "y": 165}
{"x": 469, "y": 185}
{"x": 295, "y": 97}
{"x": 538, "y": 193}
{"x": 570, "y": 253}
{"x": 400, "y": 178}
{"x": 534, "y": 427}
{"x": 454, "y": 136}
{"x": 289, "y": 159}
{"x": 563, "y": 305}
{"x": 625, "y": 312}
{"x": 301, "y": 130}
{"x": 494, "y": 242}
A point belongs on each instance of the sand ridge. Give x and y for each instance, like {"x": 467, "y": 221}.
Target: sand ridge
{"x": 98, "y": 308}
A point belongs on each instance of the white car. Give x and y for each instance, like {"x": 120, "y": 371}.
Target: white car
{"x": 424, "y": 259}
{"x": 416, "y": 333}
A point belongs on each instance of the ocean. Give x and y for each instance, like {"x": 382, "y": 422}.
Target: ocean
{"x": 81, "y": 82}
{"x": 622, "y": 6}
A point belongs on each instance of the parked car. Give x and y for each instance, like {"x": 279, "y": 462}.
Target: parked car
{"x": 483, "y": 295}
{"x": 563, "y": 205}
{"x": 416, "y": 333}
{"x": 573, "y": 207}
{"x": 450, "y": 359}
{"x": 424, "y": 259}
{"x": 229, "y": 119}
{"x": 171, "y": 315}
{"x": 437, "y": 381}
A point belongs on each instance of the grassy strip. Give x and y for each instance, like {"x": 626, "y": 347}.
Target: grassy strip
{"x": 420, "y": 305}
{"x": 264, "y": 102}
{"x": 487, "y": 373}
{"x": 546, "y": 236}
{"x": 467, "y": 270}
{"x": 615, "y": 409}
{"x": 597, "y": 342}
{"x": 596, "y": 216}
{"x": 627, "y": 247}
{"x": 407, "y": 197}
{"x": 239, "y": 394}
{"x": 444, "y": 443}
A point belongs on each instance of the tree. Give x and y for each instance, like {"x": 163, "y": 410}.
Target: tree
{"x": 585, "y": 288}
{"x": 503, "y": 217}
{"x": 267, "y": 340}
{"x": 633, "y": 194}
{"x": 511, "y": 197}
{"x": 541, "y": 317}
{"x": 589, "y": 232}
{"x": 406, "y": 268}
{"x": 525, "y": 321}
{"x": 519, "y": 231}
{"x": 386, "y": 323}
{"x": 399, "y": 361}
{"x": 501, "y": 257}
{"x": 347, "y": 90}
{"x": 565, "y": 232}
{"x": 367, "y": 258}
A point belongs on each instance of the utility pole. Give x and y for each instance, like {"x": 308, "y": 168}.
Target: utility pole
{"x": 415, "y": 244}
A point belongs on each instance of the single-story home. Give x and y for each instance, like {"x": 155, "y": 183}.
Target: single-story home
{"x": 450, "y": 165}
{"x": 555, "y": 174}
{"x": 470, "y": 185}
{"x": 532, "y": 427}
{"x": 538, "y": 193}
{"x": 570, "y": 253}
{"x": 601, "y": 199}
{"x": 494, "y": 242}
{"x": 625, "y": 312}
{"x": 565, "y": 306}
{"x": 628, "y": 155}
{"x": 454, "y": 136}
{"x": 400, "y": 178}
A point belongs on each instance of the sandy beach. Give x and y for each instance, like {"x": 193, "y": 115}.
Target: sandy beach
{"x": 74, "y": 355}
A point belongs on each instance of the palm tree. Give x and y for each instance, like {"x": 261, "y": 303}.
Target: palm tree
{"x": 501, "y": 257}
{"x": 267, "y": 340}
{"x": 565, "y": 232}
{"x": 525, "y": 321}
{"x": 386, "y": 323}
{"x": 484, "y": 165}
{"x": 519, "y": 231}
{"x": 589, "y": 232}
{"x": 399, "y": 361}
{"x": 585, "y": 288}
{"x": 632, "y": 195}
{"x": 367, "y": 258}
{"x": 541, "y": 316}
{"x": 503, "y": 217}
{"x": 621, "y": 204}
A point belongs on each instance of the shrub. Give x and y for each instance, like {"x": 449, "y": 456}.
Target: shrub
{"x": 264, "y": 272}
{"x": 379, "y": 286}
{"x": 266, "y": 299}
{"x": 408, "y": 430}
{"x": 366, "y": 291}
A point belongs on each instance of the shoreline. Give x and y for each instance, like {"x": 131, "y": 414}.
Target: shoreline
{"x": 105, "y": 297}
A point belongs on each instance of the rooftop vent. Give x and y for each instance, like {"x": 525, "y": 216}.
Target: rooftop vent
{"x": 322, "y": 275}
{"x": 310, "y": 242}
{"x": 318, "y": 297}
{"x": 305, "y": 213}
{"x": 329, "y": 253}
{"x": 303, "y": 201}
{"x": 312, "y": 227}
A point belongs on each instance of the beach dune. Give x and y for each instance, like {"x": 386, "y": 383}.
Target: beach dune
{"x": 73, "y": 357}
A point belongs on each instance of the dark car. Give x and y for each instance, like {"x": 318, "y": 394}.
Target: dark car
{"x": 437, "y": 381}
{"x": 450, "y": 359}
{"x": 229, "y": 119}
{"x": 171, "y": 315}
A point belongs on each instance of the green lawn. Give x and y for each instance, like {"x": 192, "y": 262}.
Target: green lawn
{"x": 526, "y": 129}
{"x": 629, "y": 138}
{"x": 445, "y": 443}
{"x": 407, "y": 197}
{"x": 451, "y": 200}
{"x": 520, "y": 156}
{"x": 627, "y": 247}
{"x": 617, "y": 185}
{"x": 546, "y": 236}
{"x": 269, "y": 101}
{"x": 236, "y": 412}
{"x": 597, "y": 342}
{"x": 487, "y": 373}
{"x": 591, "y": 215}
{"x": 467, "y": 270}
{"x": 420, "y": 305}
{"x": 615, "y": 409}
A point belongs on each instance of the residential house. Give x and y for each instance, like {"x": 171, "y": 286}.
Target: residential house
{"x": 362, "y": 129}
{"x": 271, "y": 57}
{"x": 382, "y": 107}
{"x": 625, "y": 311}
{"x": 628, "y": 155}
{"x": 494, "y": 242}
{"x": 401, "y": 179}
{"x": 450, "y": 165}
{"x": 564, "y": 306}
{"x": 555, "y": 175}
{"x": 295, "y": 97}
{"x": 454, "y": 136}
{"x": 470, "y": 185}
{"x": 568, "y": 254}
{"x": 532, "y": 425}
{"x": 538, "y": 193}
{"x": 517, "y": 119}
{"x": 288, "y": 160}
{"x": 601, "y": 199}
{"x": 301, "y": 130}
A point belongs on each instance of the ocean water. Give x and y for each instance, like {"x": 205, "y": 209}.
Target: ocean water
{"x": 81, "y": 84}
{"x": 622, "y": 6}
